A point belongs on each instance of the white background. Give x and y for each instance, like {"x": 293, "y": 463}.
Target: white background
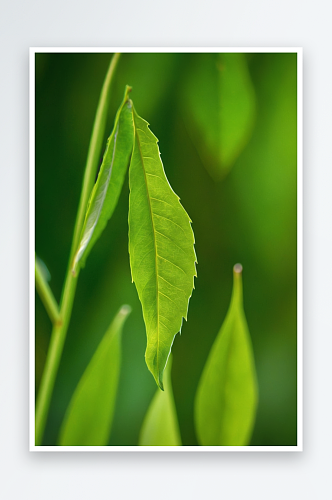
{"x": 25, "y": 475}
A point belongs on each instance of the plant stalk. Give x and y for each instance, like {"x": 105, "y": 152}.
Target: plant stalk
{"x": 59, "y": 331}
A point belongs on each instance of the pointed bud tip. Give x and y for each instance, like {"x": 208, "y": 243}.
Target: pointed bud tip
{"x": 127, "y": 91}
{"x": 125, "y": 310}
{"x": 238, "y": 268}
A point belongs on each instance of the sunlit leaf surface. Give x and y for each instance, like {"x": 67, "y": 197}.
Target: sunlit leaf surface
{"x": 160, "y": 426}
{"x": 221, "y": 109}
{"x": 161, "y": 247}
{"x": 226, "y": 399}
{"x": 107, "y": 188}
{"x": 89, "y": 416}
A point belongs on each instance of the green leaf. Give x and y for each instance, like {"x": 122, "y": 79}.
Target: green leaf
{"x": 161, "y": 247}
{"x": 45, "y": 292}
{"x": 226, "y": 398}
{"x": 106, "y": 191}
{"x": 160, "y": 426}
{"x": 221, "y": 109}
{"x": 89, "y": 416}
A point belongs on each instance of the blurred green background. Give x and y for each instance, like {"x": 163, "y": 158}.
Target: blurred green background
{"x": 247, "y": 216}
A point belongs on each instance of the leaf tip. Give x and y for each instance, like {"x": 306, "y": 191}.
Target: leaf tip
{"x": 160, "y": 381}
{"x": 125, "y": 310}
{"x": 237, "y": 284}
{"x": 237, "y": 275}
{"x": 158, "y": 376}
{"x": 238, "y": 269}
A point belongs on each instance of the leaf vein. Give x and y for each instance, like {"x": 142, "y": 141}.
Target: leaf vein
{"x": 164, "y": 235}
{"x": 170, "y": 220}
{"x": 153, "y": 175}
{"x": 165, "y": 326}
{"x": 162, "y": 201}
{"x": 171, "y": 284}
{"x": 167, "y": 297}
{"x": 154, "y": 236}
{"x": 172, "y": 263}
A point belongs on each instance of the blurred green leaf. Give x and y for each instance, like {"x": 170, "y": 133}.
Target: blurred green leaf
{"x": 161, "y": 247}
{"x": 160, "y": 426}
{"x": 106, "y": 191}
{"x": 226, "y": 398}
{"x": 89, "y": 416}
{"x": 221, "y": 109}
{"x": 43, "y": 269}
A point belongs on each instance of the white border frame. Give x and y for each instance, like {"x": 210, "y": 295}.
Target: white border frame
{"x": 299, "y": 446}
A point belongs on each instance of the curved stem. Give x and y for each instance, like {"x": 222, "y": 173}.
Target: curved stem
{"x": 59, "y": 332}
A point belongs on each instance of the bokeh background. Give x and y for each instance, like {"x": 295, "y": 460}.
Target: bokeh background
{"x": 247, "y": 216}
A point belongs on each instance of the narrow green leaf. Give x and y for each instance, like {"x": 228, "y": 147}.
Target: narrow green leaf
{"x": 106, "y": 191}
{"x": 221, "y": 109}
{"x": 43, "y": 269}
{"x": 161, "y": 247}
{"x": 160, "y": 426}
{"x": 226, "y": 398}
{"x": 45, "y": 292}
{"x": 89, "y": 415}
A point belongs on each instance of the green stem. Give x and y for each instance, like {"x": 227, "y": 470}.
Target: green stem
{"x": 59, "y": 332}
{"x": 46, "y": 295}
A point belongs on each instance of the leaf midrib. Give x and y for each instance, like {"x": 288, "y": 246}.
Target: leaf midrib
{"x": 154, "y": 240}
